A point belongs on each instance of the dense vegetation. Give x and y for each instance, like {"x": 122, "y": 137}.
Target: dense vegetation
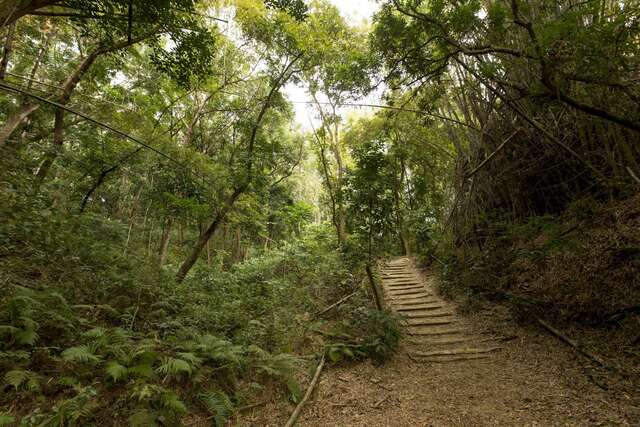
{"x": 169, "y": 233}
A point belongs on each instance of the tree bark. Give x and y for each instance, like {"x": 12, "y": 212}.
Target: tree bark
{"x": 6, "y": 52}
{"x": 204, "y": 238}
{"x": 58, "y": 139}
{"x": 164, "y": 242}
{"x": 12, "y": 10}
{"x": 14, "y": 121}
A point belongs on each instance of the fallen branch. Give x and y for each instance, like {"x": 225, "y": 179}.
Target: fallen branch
{"x": 335, "y": 304}
{"x": 575, "y": 345}
{"x": 312, "y": 385}
{"x": 633, "y": 175}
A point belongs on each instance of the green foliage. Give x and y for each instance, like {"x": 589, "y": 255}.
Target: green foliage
{"x": 365, "y": 333}
{"x": 82, "y": 354}
{"x": 6, "y": 419}
{"x": 218, "y": 404}
{"x": 192, "y": 48}
{"x": 19, "y": 378}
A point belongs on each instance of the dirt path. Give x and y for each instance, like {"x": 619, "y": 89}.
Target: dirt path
{"x": 459, "y": 370}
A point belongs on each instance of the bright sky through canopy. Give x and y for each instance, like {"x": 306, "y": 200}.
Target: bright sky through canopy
{"x": 354, "y": 12}
{"x": 356, "y": 9}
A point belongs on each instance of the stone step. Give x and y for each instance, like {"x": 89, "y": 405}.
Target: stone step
{"x": 429, "y": 315}
{"x": 402, "y": 297}
{"x": 405, "y": 287}
{"x": 420, "y": 325}
{"x": 455, "y": 351}
{"x": 411, "y": 299}
{"x": 448, "y": 359}
{"x": 412, "y": 291}
{"x": 420, "y": 307}
{"x": 444, "y": 340}
{"x": 435, "y": 331}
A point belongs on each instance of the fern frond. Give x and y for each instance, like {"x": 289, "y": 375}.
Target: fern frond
{"x": 116, "y": 371}
{"x": 82, "y": 354}
{"x": 15, "y": 378}
{"x": 191, "y": 358}
{"x": 216, "y": 349}
{"x": 142, "y": 370}
{"x": 218, "y": 404}
{"x": 173, "y": 367}
{"x": 19, "y": 377}
{"x": 172, "y": 402}
{"x": 8, "y": 330}
{"x": 95, "y": 333}
{"x": 27, "y": 337}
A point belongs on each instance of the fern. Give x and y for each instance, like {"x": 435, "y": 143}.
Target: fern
{"x": 8, "y": 330}
{"x": 95, "y": 333}
{"x": 70, "y": 411}
{"x": 171, "y": 401}
{"x": 27, "y": 337}
{"x": 15, "y": 378}
{"x": 173, "y": 367}
{"x": 143, "y": 370}
{"x": 213, "y": 348}
{"x": 144, "y": 391}
{"x": 116, "y": 371}
{"x": 218, "y": 404}
{"x": 19, "y": 377}
{"x": 193, "y": 360}
{"x": 82, "y": 354}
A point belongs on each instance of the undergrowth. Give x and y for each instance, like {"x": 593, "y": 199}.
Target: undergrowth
{"x": 581, "y": 266}
{"x": 92, "y": 331}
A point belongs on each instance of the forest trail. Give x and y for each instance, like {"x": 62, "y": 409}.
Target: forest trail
{"x": 435, "y": 333}
{"x": 529, "y": 379}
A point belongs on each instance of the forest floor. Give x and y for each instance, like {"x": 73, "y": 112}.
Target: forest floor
{"x": 532, "y": 380}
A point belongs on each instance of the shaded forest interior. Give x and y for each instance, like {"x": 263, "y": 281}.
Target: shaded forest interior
{"x": 173, "y": 242}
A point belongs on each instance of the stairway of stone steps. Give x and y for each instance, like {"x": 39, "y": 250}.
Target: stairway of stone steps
{"x": 435, "y": 332}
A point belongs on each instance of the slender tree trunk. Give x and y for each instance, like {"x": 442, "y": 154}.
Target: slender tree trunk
{"x": 204, "y": 238}
{"x": 6, "y": 52}
{"x": 58, "y": 140}
{"x": 68, "y": 87}
{"x": 228, "y": 205}
{"x": 14, "y": 121}
{"x": 164, "y": 241}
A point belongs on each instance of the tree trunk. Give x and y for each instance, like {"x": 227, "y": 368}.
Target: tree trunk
{"x": 6, "y": 53}
{"x": 204, "y": 238}
{"x": 222, "y": 213}
{"x": 68, "y": 87}
{"x": 58, "y": 140}
{"x": 164, "y": 242}
{"x": 14, "y": 121}
{"x": 12, "y": 10}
